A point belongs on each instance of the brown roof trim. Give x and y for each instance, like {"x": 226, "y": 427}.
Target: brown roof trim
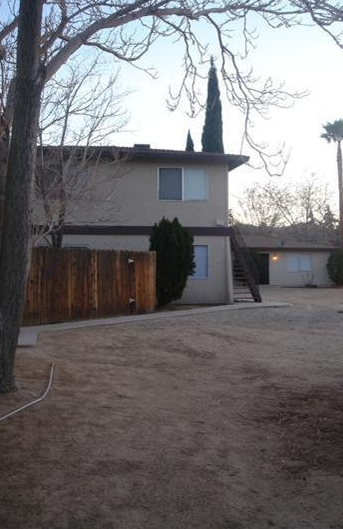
{"x": 232, "y": 161}
{"x": 275, "y": 244}
{"x": 292, "y": 249}
{"x": 210, "y": 231}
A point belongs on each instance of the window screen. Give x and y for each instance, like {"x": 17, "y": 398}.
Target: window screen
{"x": 292, "y": 263}
{"x": 170, "y": 184}
{"x": 177, "y": 184}
{"x": 305, "y": 263}
{"x": 299, "y": 263}
{"x": 201, "y": 262}
{"x": 195, "y": 184}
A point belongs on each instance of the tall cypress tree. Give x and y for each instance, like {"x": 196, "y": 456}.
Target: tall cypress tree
{"x": 212, "y": 134}
{"x": 189, "y": 142}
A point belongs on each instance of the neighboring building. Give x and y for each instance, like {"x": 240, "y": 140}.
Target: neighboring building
{"x": 139, "y": 186}
{"x": 290, "y": 263}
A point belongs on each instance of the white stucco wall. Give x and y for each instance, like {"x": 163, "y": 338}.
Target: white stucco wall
{"x": 279, "y": 274}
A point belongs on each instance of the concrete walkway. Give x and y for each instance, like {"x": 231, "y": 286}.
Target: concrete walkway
{"x": 28, "y": 335}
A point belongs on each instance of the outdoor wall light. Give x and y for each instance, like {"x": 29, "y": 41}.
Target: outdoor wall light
{"x": 274, "y": 257}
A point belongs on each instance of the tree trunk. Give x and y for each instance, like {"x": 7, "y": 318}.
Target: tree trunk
{"x": 57, "y": 236}
{"x": 4, "y": 148}
{"x": 6, "y": 120}
{"x": 15, "y": 247}
{"x": 340, "y": 192}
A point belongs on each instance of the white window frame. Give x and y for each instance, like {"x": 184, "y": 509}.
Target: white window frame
{"x": 295, "y": 263}
{"x": 202, "y": 277}
{"x": 305, "y": 258}
{"x": 183, "y": 172}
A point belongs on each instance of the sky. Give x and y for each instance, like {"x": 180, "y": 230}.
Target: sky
{"x": 304, "y": 58}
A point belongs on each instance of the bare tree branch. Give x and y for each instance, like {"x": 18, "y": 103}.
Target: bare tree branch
{"x": 127, "y": 30}
{"x": 304, "y": 207}
{"x": 79, "y": 111}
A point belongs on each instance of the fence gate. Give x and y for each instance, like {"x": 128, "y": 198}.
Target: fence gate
{"x": 68, "y": 284}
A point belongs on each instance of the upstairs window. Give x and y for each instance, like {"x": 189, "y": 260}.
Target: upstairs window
{"x": 176, "y": 183}
{"x": 170, "y": 184}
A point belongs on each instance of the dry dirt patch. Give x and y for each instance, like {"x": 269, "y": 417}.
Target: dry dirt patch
{"x": 225, "y": 420}
{"x": 310, "y": 430}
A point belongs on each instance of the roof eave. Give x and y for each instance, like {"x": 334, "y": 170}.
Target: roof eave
{"x": 232, "y": 161}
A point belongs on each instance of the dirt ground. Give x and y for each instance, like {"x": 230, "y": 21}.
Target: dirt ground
{"x": 228, "y": 420}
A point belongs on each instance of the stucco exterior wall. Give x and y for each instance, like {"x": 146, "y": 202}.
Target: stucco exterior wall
{"x": 128, "y": 195}
{"x": 213, "y": 289}
{"x": 139, "y": 243}
{"x": 280, "y": 275}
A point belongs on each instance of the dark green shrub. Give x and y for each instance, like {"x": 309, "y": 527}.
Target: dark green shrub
{"x": 335, "y": 266}
{"x": 175, "y": 259}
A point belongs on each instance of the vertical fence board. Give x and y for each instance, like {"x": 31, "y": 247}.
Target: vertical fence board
{"x": 140, "y": 279}
{"x": 125, "y": 285}
{"x": 93, "y": 285}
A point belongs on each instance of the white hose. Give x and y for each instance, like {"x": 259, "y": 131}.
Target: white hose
{"x": 21, "y": 408}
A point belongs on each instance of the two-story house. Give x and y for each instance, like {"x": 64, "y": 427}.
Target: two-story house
{"x": 130, "y": 189}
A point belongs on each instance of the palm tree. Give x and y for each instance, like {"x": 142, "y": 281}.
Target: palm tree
{"x": 334, "y": 132}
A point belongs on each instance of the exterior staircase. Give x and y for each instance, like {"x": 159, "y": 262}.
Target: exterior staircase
{"x": 244, "y": 271}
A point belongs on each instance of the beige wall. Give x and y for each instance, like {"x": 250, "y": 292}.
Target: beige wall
{"x": 214, "y": 289}
{"x": 139, "y": 243}
{"x": 279, "y": 275}
{"x": 128, "y": 195}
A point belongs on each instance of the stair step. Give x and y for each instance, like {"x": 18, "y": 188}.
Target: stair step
{"x": 244, "y": 283}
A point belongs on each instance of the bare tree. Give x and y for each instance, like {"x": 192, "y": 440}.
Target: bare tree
{"x": 77, "y": 113}
{"x": 126, "y": 30}
{"x": 15, "y": 251}
{"x": 67, "y": 183}
{"x": 254, "y": 207}
{"x": 304, "y": 208}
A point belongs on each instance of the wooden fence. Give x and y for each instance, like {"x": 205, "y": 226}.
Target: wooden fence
{"x": 73, "y": 284}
